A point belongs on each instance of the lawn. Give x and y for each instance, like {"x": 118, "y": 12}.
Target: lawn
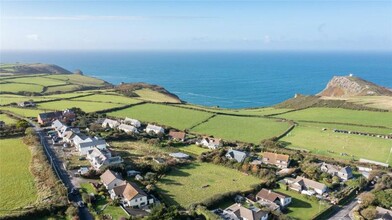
{"x": 37, "y": 80}
{"x": 341, "y": 116}
{"x": 108, "y": 99}
{"x": 84, "y": 105}
{"x": 300, "y": 206}
{"x": 246, "y": 129}
{"x": 164, "y": 115}
{"x": 15, "y": 158}
{"x": 150, "y": 95}
{"x": 24, "y": 112}
{"x": 183, "y": 186}
{"x": 7, "y": 119}
{"x": 18, "y": 87}
{"x": 193, "y": 149}
{"x": 332, "y": 144}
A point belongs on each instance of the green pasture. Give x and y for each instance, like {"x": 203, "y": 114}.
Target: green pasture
{"x": 108, "y": 99}
{"x": 150, "y": 95}
{"x": 84, "y": 105}
{"x": 18, "y": 87}
{"x": 7, "y": 119}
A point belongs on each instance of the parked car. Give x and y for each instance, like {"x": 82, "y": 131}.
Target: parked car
{"x": 81, "y": 204}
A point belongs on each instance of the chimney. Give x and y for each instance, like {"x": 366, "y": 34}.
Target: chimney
{"x": 269, "y": 191}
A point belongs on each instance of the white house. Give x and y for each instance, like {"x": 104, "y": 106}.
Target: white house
{"x": 111, "y": 179}
{"x": 133, "y": 122}
{"x": 127, "y": 128}
{"x": 101, "y": 159}
{"x": 344, "y": 173}
{"x": 85, "y": 143}
{"x": 155, "y": 129}
{"x": 57, "y": 125}
{"x": 111, "y": 123}
{"x": 239, "y": 212}
{"x": 269, "y": 196}
{"x": 301, "y": 184}
{"x": 211, "y": 143}
{"x": 130, "y": 195}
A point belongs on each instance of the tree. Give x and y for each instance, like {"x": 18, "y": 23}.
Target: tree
{"x": 384, "y": 183}
{"x": 71, "y": 211}
{"x": 22, "y": 124}
{"x": 367, "y": 198}
{"x": 30, "y": 131}
{"x": 245, "y": 167}
{"x": 369, "y": 213}
{"x": 384, "y": 198}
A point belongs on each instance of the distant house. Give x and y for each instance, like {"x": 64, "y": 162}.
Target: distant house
{"x": 85, "y": 143}
{"x": 127, "y": 128}
{"x": 177, "y": 135}
{"x": 179, "y": 155}
{"x": 211, "y": 143}
{"x": 303, "y": 184}
{"x": 110, "y": 123}
{"x": 154, "y": 129}
{"x": 239, "y": 212}
{"x": 159, "y": 160}
{"x": 273, "y": 197}
{"x": 63, "y": 116}
{"x": 26, "y": 104}
{"x": 111, "y": 179}
{"x": 101, "y": 159}
{"x": 383, "y": 214}
{"x": 279, "y": 160}
{"x": 344, "y": 173}
{"x": 239, "y": 156}
{"x": 2, "y": 124}
{"x": 130, "y": 195}
{"x": 133, "y": 122}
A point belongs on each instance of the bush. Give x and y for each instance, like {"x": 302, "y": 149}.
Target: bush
{"x": 369, "y": 213}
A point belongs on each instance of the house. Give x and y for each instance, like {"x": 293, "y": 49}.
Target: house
{"x": 102, "y": 158}
{"x": 127, "y": 128}
{"x": 303, "y": 184}
{"x": 344, "y": 173}
{"x": 110, "y": 123}
{"x": 26, "y": 104}
{"x": 239, "y": 212}
{"x": 179, "y": 155}
{"x": 85, "y": 143}
{"x": 211, "y": 143}
{"x": 383, "y": 214}
{"x": 130, "y": 195}
{"x": 131, "y": 173}
{"x": 57, "y": 125}
{"x": 65, "y": 129}
{"x": 279, "y": 160}
{"x": 177, "y": 135}
{"x": 154, "y": 129}
{"x": 132, "y": 122}
{"x": 63, "y": 116}
{"x": 111, "y": 179}
{"x": 269, "y": 196}
{"x": 239, "y": 156}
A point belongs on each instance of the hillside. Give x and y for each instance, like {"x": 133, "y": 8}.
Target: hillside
{"x": 349, "y": 86}
{"x": 147, "y": 91}
{"x": 34, "y": 68}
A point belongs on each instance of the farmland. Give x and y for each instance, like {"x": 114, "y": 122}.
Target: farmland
{"x": 184, "y": 185}
{"x": 19, "y": 87}
{"x": 165, "y": 115}
{"x": 246, "y": 129}
{"x": 150, "y": 95}
{"x": 7, "y": 119}
{"x": 84, "y": 105}
{"x": 62, "y": 88}
{"x": 23, "y": 111}
{"x": 249, "y": 111}
{"x": 78, "y": 79}
{"x": 43, "y": 81}
{"x": 13, "y": 153}
{"x": 108, "y": 99}
{"x": 338, "y": 115}
{"x": 193, "y": 149}
{"x": 332, "y": 144}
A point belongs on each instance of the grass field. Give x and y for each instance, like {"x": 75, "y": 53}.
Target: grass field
{"x": 108, "y": 99}
{"x": 341, "y": 116}
{"x": 23, "y": 111}
{"x": 183, "y": 186}
{"x": 245, "y": 129}
{"x": 301, "y": 207}
{"x": 165, "y": 115}
{"x": 193, "y": 149}
{"x": 374, "y": 130}
{"x": 150, "y": 95}
{"x": 84, "y": 105}
{"x": 78, "y": 79}
{"x": 7, "y": 119}
{"x": 18, "y": 87}
{"x": 15, "y": 160}
{"x": 323, "y": 142}
{"x": 37, "y": 80}
{"x": 254, "y": 112}
{"x": 63, "y": 88}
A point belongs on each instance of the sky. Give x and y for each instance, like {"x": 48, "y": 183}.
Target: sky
{"x": 196, "y": 25}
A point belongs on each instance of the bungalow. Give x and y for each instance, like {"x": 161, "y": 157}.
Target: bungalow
{"x": 154, "y": 129}
{"x": 111, "y": 179}
{"x": 303, "y": 184}
{"x": 383, "y": 214}
{"x": 344, "y": 173}
{"x": 101, "y": 159}
{"x": 26, "y": 104}
{"x": 110, "y": 123}
{"x": 211, "y": 143}
{"x": 133, "y": 122}
{"x": 63, "y": 116}
{"x": 239, "y": 156}
{"x": 177, "y": 135}
{"x": 269, "y": 196}
{"x": 279, "y": 160}
{"x": 127, "y": 128}
{"x": 239, "y": 212}
{"x": 85, "y": 143}
{"x": 179, "y": 155}
{"x": 130, "y": 195}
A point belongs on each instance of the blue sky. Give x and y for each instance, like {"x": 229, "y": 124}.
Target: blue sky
{"x": 196, "y": 25}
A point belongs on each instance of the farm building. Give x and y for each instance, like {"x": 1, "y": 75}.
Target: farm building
{"x": 154, "y": 129}
{"x": 133, "y": 122}
{"x": 177, "y": 135}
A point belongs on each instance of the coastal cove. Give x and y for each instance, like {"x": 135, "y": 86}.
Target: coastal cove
{"x": 225, "y": 79}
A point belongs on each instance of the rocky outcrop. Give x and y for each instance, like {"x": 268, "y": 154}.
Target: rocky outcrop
{"x": 34, "y": 68}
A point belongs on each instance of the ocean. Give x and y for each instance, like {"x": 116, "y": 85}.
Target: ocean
{"x": 230, "y": 79}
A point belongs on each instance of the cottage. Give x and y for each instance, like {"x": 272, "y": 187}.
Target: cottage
{"x": 102, "y": 158}
{"x": 279, "y": 160}
{"x": 130, "y": 195}
{"x": 132, "y": 122}
{"x": 383, "y": 214}
{"x": 239, "y": 212}
{"x": 85, "y": 143}
{"x": 177, "y": 135}
{"x": 211, "y": 143}
{"x": 344, "y": 173}
{"x": 239, "y": 156}
{"x": 110, "y": 123}
{"x": 269, "y": 196}
{"x": 26, "y": 104}
{"x": 301, "y": 184}
{"x": 111, "y": 179}
{"x": 179, "y": 155}
{"x": 154, "y": 129}
{"x": 63, "y": 116}
{"x": 127, "y": 128}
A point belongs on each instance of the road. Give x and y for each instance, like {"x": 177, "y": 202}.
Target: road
{"x": 344, "y": 212}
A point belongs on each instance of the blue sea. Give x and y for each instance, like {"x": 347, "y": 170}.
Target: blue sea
{"x": 227, "y": 79}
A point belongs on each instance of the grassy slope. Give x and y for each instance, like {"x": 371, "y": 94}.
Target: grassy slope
{"x": 109, "y": 99}
{"x": 7, "y": 119}
{"x": 374, "y": 130}
{"x": 162, "y": 114}
{"x": 23, "y": 111}
{"x": 14, "y": 154}
{"x": 84, "y": 105}
{"x": 18, "y": 87}
{"x": 150, "y": 95}
{"x": 245, "y": 129}
{"x": 184, "y": 185}
{"x": 193, "y": 149}
{"x": 253, "y": 111}
{"x": 37, "y": 80}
